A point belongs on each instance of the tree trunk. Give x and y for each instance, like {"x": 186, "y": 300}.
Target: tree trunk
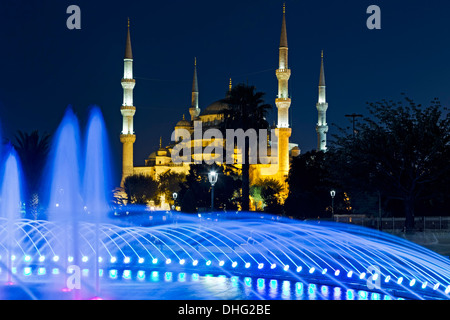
{"x": 246, "y": 179}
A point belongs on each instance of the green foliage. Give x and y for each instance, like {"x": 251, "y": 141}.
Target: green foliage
{"x": 195, "y": 191}
{"x": 310, "y": 185}
{"x": 268, "y": 191}
{"x": 33, "y": 150}
{"x": 246, "y": 110}
{"x": 402, "y": 150}
{"x": 140, "y": 189}
{"x": 169, "y": 182}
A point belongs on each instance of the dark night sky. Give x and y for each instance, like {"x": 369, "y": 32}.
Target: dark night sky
{"x": 46, "y": 67}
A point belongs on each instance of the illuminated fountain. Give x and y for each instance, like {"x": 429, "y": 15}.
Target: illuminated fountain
{"x": 224, "y": 256}
{"x": 10, "y": 206}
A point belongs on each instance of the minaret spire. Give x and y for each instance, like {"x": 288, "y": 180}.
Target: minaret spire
{"x": 322, "y": 106}
{"x": 128, "y": 51}
{"x": 127, "y": 110}
{"x": 322, "y": 72}
{"x": 195, "y": 85}
{"x": 283, "y": 37}
{"x": 194, "y": 110}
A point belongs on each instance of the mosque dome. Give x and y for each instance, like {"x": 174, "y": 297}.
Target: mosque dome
{"x": 217, "y": 107}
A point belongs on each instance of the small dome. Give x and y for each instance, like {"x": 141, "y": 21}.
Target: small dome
{"x": 214, "y": 108}
{"x": 183, "y": 123}
{"x": 295, "y": 152}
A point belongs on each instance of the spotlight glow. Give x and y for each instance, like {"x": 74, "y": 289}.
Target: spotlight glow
{"x": 286, "y": 267}
{"x": 126, "y": 274}
{"x": 299, "y": 268}
{"x": 113, "y": 259}
{"x": 337, "y": 272}
{"x": 195, "y": 262}
{"x": 260, "y": 265}
{"x": 126, "y": 260}
{"x": 27, "y": 271}
{"x": 234, "y": 264}
{"x": 141, "y": 274}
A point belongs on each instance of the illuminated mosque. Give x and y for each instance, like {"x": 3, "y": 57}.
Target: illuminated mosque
{"x": 160, "y": 161}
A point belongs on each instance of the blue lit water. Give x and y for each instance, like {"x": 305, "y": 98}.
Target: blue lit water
{"x": 158, "y": 285}
{"x": 182, "y": 256}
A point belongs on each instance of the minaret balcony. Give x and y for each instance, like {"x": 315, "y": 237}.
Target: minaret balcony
{"x": 128, "y": 83}
{"x": 127, "y": 111}
{"x": 283, "y": 102}
{"x": 283, "y": 74}
{"x": 127, "y": 138}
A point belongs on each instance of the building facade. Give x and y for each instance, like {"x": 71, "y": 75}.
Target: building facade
{"x": 276, "y": 166}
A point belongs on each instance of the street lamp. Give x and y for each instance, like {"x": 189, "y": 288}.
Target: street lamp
{"x": 332, "y": 194}
{"x": 174, "y": 196}
{"x": 212, "y": 177}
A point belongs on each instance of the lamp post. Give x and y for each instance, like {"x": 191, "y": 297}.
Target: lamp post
{"x": 174, "y": 196}
{"x": 332, "y": 194}
{"x": 212, "y": 177}
{"x": 354, "y": 116}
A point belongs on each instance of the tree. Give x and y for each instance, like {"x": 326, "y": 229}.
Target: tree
{"x": 268, "y": 191}
{"x": 310, "y": 182}
{"x": 33, "y": 150}
{"x": 195, "y": 191}
{"x": 140, "y": 188}
{"x": 169, "y": 182}
{"x": 402, "y": 151}
{"x": 246, "y": 110}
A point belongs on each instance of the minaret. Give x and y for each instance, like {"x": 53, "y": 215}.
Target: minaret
{"x": 283, "y": 102}
{"x": 127, "y": 110}
{"x": 322, "y": 106}
{"x": 194, "y": 110}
